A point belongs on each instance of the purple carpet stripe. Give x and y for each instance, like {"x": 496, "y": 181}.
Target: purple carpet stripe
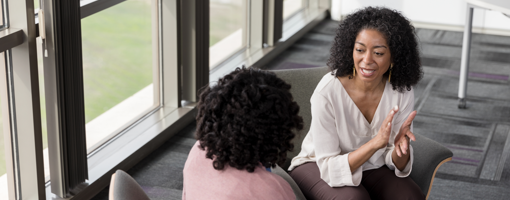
{"x": 465, "y": 159}
{"x": 291, "y": 65}
{"x": 463, "y": 163}
{"x": 464, "y": 148}
{"x": 481, "y": 75}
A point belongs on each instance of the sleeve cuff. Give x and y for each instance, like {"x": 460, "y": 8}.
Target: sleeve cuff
{"x": 351, "y": 178}
{"x": 407, "y": 170}
{"x": 342, "y": 176}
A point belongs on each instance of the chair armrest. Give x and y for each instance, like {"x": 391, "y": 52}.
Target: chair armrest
{"x": 428, "y": 156}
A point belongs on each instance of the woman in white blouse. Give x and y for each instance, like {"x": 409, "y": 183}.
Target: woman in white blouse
{"x": 358, "y": 146}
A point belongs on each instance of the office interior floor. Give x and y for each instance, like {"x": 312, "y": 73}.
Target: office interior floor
{"x": 478, "y": 136}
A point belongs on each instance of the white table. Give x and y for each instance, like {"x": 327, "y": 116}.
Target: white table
{"x": 496, "y": 5}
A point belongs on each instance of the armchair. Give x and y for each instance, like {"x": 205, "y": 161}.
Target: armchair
{"x": 429, "y": 155}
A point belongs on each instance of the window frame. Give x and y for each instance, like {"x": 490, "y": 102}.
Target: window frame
{"x": 21, "y": 103}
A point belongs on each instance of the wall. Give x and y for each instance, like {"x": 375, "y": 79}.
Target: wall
{"x": 439, "y": 14}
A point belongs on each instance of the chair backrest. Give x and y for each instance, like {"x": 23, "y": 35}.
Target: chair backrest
{"x": 303, "y": 82}
{"x": 124, "y": 187}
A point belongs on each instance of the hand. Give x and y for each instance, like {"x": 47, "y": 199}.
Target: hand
{"x": 403, "y": 136}
{"x": 382, "y": 137}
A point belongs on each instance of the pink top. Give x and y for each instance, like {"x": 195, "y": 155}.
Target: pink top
{"x": 202, "y": 181}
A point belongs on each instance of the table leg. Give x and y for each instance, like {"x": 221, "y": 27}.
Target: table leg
{"x": 464, "y": 65}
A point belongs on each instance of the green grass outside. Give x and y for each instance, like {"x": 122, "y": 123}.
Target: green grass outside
{"x": 225, "y": 20}
{"x": 117, "y": 55}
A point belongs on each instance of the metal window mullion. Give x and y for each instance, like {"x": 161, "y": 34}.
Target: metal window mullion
{"x": 63, "y": 71}
{"x": 273, "y": 21}
{"x": 156, "y": 55}
{"x": 9, "y": 138}
{"x": 202, "y": 46}
{"x": 169, "y": 52}
{"x": 255, "y": 24}
{"x": 24, "y": 108}
{"x": 2, "y": 21}
{"x": 246, "y": 25}
{"x": 194, "y": 47}
{"x": 5, "y": 14}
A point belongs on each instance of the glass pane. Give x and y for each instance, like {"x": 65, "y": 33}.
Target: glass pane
{"x": 227, "y": 21}
{"x": 117, "y": 68}
{"x": 290, "y": 7}
{"x": 3, "y": 175}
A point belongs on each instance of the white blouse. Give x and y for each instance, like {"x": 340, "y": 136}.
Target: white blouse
{"x": 338, "y": 127}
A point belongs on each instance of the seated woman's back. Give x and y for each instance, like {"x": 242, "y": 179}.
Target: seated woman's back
{"x": 244, "y": 126}
{"x": 202, "y": 181}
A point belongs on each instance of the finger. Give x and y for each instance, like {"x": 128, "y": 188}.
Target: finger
{"x": 392, "y": 112}
{"x": 404, "y": 146}
{"x": 411, "y": 135}
{"x": 397, "y": 150}
{"x": 410, "y": 118}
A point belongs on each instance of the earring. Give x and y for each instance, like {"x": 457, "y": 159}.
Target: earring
{"x": 389, "y": 77}
{"x": 353, "y": 71}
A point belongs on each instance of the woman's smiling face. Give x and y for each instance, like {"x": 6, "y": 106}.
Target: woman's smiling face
{"x": 371, "y": 54}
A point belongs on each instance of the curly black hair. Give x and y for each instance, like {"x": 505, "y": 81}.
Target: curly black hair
{"x": 398, "y": 32}
{"x": 247, "y": 119}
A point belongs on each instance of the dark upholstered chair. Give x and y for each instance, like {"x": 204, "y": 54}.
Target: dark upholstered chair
{"x": 429, "y": 155}
{"x": 124, "y": 187}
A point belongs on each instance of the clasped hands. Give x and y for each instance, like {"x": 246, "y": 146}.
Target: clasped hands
{"x": 404, "y": 134}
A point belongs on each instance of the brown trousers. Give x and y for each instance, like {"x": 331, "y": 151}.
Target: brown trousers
{"x": 375, "y": 184}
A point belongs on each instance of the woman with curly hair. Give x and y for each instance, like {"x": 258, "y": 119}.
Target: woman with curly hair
{"x": 244, "y": 128}
{"x": 358, "y": 145}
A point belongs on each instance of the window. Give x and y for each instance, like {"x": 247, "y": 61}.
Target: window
{"x": 290, "y": 7}
{"x": 227, "y": 29}
{"x": 117, "y": 68}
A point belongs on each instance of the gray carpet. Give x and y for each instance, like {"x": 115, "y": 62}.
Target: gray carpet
{"x": 478, "y": 135}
